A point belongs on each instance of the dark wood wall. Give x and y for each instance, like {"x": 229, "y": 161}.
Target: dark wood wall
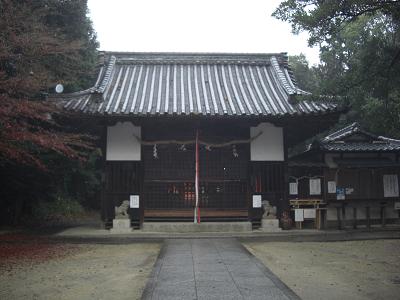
{"x": 122, "y": 179}
{"x": 303, "y": 175}
{"x": 268, "y": 180}
{"x": 167, "y": 182}
{"x": 366, "y": 182}
{"x": 169, "y": 177}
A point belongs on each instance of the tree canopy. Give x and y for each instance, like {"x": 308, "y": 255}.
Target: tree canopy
{"x": 42, "y": 43}
{"x": 324, "y": 19}
{"x": 359, "y": 56}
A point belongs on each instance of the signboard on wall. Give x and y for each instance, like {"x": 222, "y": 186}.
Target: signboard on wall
{"x": 299, "y": 215}
{"x": 256, "y": 201}
{"x": 331, "y": 187}
{"x": 390, "y": 185}
{"x": 134, "y": 201}
{"x": 340, "y": 193}
{"x": 293, "y": 188}
{"x": 309, "y": 213}
{"x": 315, "y": 186}
{"x": 397, "y": 205}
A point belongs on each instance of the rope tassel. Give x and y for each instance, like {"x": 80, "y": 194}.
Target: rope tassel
{"x": 155, "y": 153}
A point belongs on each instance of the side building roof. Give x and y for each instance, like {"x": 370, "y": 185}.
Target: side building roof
{"x": 207, "y": 84}
{"x": 353, "y": 138}
{"x": 350, "y": 139}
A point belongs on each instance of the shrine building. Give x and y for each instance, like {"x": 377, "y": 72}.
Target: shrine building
{"x": 197, "y": 136}
{"x": 351, "y": 176}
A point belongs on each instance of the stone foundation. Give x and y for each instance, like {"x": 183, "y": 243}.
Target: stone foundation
{"x": 121, "y": 226}
{"x": 191, "y": 227}
{"x": 270, "y": 225}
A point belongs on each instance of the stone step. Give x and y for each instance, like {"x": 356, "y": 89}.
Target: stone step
{"x": 192, "y": 227}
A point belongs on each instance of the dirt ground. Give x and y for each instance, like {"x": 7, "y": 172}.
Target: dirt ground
{"x": 335, "y": 270}
{"x": 41, "y": 270}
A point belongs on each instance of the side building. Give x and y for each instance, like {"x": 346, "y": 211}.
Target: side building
{"x": 195, "y": 133}
{"x": 354, "y": 174}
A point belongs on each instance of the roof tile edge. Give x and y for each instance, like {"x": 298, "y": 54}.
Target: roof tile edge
{"x": 197, "y": 57}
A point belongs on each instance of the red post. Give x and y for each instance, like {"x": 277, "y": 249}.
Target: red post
{"x": 197, "y": 208}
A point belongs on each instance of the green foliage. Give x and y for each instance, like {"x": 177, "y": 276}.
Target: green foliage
{"x": 27, "y": 186}
{"x": 69, "y": 18}
{"x": 58, "y": 211}
{"x": 359, "y": 53}
{"x": 80, "y": 181}
{"x": 305, "y": 76}
{"x": 325, "y": 19}
{"x": 383, "y": 117}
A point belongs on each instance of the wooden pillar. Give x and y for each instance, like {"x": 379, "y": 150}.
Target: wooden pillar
{"x": 343, "y": 216}
{"x": 383, "y": 215}
{"x": 196, "y": 182}
{"x": 318, "y": 218}
{"x": 324, "y": 218}
{"x": 339, "y": 219}
{"x": 355, "y": 217}
{"x": 285, "y": 205}
{"x": 368, "y": 216}
{"x": 104, "y": 197}
{"x": 141, "y": 193}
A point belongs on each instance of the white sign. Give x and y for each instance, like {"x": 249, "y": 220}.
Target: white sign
{"x": 349, "y": 191}
{"x": 315, "y": 186}
{"x": 134, "y": 201}
{"x": 309, "y": 213}
{"x": 293, "y": 189}
{"x": 397, "y": 205}
{"x": 256, "y": 201}
{"x": 331, "y": 187}
{"x": 390, "y": 186}
{"x": 299, "y": 215}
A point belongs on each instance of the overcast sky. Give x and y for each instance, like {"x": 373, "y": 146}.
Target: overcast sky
{"x": 195, "y": 26}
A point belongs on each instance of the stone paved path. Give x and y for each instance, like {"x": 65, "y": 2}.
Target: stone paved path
{"x": 212, "y": 269}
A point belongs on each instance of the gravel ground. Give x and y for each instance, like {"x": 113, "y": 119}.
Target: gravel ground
{"x": 41, "y": 270}
{"x": 335, "y": 270}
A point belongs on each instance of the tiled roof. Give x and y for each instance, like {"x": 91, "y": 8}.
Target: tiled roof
{"x": 371, "y": 147}
{"x": 339, "y": 141}
{"x": 345, "y": 132}
{"x": 194, "y": 84}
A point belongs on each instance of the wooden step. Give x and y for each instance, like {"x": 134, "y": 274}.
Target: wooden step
{"x": 187, "y": 213}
